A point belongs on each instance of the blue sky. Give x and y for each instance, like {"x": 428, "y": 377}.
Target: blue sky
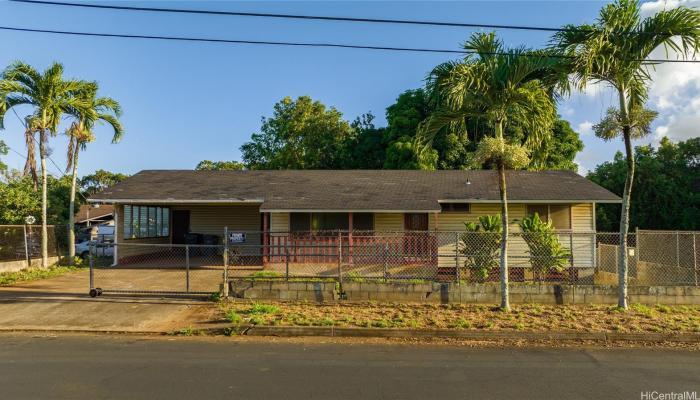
{"x": 184, "y": 102}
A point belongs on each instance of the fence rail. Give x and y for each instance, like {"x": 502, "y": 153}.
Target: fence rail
{"x": 23, "y": 242}
{"x": 469, "y": 257}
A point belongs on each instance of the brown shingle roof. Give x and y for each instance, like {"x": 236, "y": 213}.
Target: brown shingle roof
{"x": 87, "y": 211}
{"x": 351, "y": 189}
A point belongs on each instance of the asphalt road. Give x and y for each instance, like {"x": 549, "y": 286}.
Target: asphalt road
{"x": 127, "y": 367}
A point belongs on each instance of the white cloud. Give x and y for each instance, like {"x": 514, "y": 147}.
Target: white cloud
{"x": 585, "y": 128}
{"x": 675, "y": 88}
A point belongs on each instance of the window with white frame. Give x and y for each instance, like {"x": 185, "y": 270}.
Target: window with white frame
{"x": 146, "y": 222}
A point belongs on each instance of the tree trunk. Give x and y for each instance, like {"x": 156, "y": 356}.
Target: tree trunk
{"x": 44, "y": 184}
{"x": 71, "y": 206}
{"x": 505, "y": 298}
{"x": 626, "y": 199}
{"x": 624, "y": 220}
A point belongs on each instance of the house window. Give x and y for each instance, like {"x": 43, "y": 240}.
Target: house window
{"x": 304, "y": 222}
{"x": 146, "y": 222}
{"x": 455, "y": 207}
{"x": 363, "y": 221}
{"x": 559, "y": 214}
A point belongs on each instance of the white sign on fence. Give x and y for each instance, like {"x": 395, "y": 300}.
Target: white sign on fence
{"x": 236, "y": 237}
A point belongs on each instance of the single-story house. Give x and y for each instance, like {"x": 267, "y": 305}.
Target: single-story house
{"x": 89, "y": 217}
{"x": 276, "y": 208}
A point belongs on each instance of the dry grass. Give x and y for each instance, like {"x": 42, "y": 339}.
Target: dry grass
{"x": 528, "y": 317}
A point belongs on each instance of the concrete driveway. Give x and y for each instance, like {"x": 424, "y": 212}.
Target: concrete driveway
{"x": 62, "y": 303}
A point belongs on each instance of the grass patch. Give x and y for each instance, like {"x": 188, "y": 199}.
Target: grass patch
{"x": 523, "y": 317}
{"x": 188, "y": 331}
{"x": 265, "y": 274}
{"x": 234, "y": 317}
{"x": 35, "y": 273}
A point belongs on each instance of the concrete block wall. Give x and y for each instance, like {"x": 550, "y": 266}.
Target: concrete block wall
{"x": 453, "y": 293}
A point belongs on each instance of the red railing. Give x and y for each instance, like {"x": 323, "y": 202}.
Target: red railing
{"x": 364, "y": 248}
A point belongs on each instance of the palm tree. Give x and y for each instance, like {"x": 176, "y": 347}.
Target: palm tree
{"x": 612, "y": 51}
{"x": 505, "y": 87}
{"x": 80, "y": 133}
{"x": 51, "y": 96}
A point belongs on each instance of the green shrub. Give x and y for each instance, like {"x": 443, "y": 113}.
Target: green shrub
{"x": 234, "y": 317}
{"x": 262, "y": 308}
{"x": 265, "y": 274}
{"x": 256, "y": 320}
{"x": 546, "y": 252}
{"x": 480, "y": 245}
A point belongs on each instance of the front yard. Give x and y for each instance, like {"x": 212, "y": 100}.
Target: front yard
{"x": 36, "y": 273}
{"x": 529, "y": 317}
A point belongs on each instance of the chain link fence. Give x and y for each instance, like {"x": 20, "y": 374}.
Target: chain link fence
{"x": 23, "y": 243}
{"x": 577, "y": 258}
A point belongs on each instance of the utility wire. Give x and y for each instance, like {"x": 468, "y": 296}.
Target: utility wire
{"x": 306, "y": 44}
{"x": 313, "y": 17}
{"x": 289, "y": 16}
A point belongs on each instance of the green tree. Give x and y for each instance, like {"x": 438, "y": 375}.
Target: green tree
{"x": 366, "y": 148}
{"x": 100, "y": 180}
{"x": 546, "y": 252}
{"x": 301, "y": 134}
{"x": 207, "y": 165}
{"x": 80, "y": 133}
{"x": 19, "y": 199}
{"x": 3, "y": 152}
{"x": 612, "y": 51}
{"x": 51, "y": 96}
{"x": 665, "y": 185}
{"x": 559, "y": 151}
{"x": 506, "y": 87}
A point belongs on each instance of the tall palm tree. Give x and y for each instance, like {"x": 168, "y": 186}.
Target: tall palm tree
{"x": 506, "y": 87}
{"x": 51, "y": 96}
{"x": 612, "y": 51}
{"x": 80, "y": 133}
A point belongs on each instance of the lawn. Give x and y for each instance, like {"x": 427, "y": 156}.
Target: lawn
{"x": 528, "y": 317}
{"x": 35, "y": 273}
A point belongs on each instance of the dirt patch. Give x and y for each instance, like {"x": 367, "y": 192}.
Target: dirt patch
{"x": 534, "y": 318}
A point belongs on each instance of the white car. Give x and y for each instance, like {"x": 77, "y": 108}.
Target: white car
{"x": 101, "y": 249}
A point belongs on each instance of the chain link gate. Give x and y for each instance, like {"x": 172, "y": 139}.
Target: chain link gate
{"x": 156, "y": 269}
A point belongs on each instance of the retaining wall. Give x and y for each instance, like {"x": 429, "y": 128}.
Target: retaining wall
{"x": 453, "y": 293}
{"x": 14, "y": 266}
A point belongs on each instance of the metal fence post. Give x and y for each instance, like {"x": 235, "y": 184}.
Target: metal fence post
{"x": 678, "y": 249}
{"x": 457, "y": 260}
{"x": 695, "y": 258}
{"x": 92, "y": 267}
{"x": 286, "y": 262}
{"x": 187, "y": 268}
{"x": 340, "y": 257}
{"x": 386, "y": 260}
{"x": 26, "y": 247}
{"x": 225, "y": 286}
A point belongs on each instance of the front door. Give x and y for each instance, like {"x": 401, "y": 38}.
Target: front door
{"x": 415, "y": 239}
{"x": 181, "y": 225}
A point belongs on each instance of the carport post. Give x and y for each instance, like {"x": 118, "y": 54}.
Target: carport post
{"x": 225, "y": 288}
{"x": 187, "y": 268}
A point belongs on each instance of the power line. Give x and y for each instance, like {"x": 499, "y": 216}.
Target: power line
{"x": 303, "y": 44}
{"x": 290, "y": 16}
{"x": 322, "y": 17}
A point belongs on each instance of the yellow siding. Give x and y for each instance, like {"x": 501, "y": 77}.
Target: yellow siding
{"x": 583, "y": 244}
{"x": 279, "y": 222}
{"x": 582, "y": 217}
{"x": 388, "y": 222}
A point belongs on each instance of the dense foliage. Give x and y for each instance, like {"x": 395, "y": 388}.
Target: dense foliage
{"x": 546, "y": 252}
{"x": 289, "y": 139}
{"x": 19, "y": 199}
{"x": 99, "y": 180}
{"x": 207, "y": 165}
{"x": 666, "y": 186}
{"x": 480, "y": 245}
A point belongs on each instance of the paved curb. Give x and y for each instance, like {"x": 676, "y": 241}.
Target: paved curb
{"x": 470, "y": 335}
